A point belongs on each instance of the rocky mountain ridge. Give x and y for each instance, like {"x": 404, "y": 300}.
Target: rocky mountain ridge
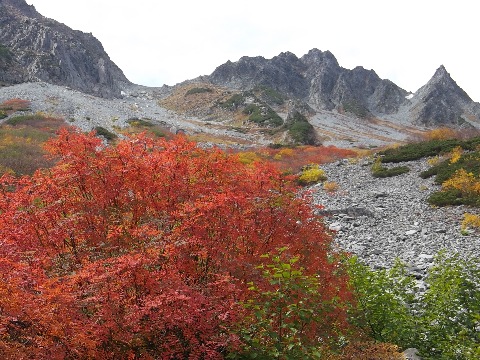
{"x": 317, "y": 79}
{"x": 35, "y": 48}
{"x": 336, "y": 105}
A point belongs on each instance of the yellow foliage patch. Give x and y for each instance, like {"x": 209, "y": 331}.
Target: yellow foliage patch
{"x": 312, "y": 175}
{"x": 470, "y": 220}
{"x": 456, "y": 154}
{"x": 463, "y": 181}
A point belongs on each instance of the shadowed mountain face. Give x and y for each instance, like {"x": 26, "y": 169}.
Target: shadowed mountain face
{"x": 319, "y": 80}
{"x": 34, "y": 48}
{"x": 442, "y": 102}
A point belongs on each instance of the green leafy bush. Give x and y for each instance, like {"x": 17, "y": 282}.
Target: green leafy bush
{"x": 384, "y": 299}
{"x": 285, "y": 314}
{"x": 450, "y": 310}
{"x": 442, "y": 322}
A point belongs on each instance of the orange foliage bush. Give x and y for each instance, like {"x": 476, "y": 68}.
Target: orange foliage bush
{"x": 144, "y": 249}
{"x": 294, "y": 159}
{"x": 441, "y": 133}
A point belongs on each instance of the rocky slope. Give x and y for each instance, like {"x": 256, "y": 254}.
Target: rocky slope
{"x": 383, "y": 219}
{"x": 35, "y": 48}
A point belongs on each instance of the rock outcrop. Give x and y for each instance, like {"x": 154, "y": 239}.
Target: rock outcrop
{"x": 442, "y": 102}
{"x": 317, "y": 79}
{"x": 35, "y": 48}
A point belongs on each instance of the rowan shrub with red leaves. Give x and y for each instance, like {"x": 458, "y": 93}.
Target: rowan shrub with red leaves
{"x": 144, "y": 250}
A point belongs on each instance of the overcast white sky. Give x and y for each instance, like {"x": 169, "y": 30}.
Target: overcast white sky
{"x": 165, "y": 42}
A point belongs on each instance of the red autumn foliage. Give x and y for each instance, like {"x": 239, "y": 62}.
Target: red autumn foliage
{"x": 13, "y": 105}
{"x": 144, "y": 249}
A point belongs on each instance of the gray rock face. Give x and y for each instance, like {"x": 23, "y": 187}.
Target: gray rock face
{"x": 442, "y": 102}
{"x": 317, "y": 79}
{"x": 35, "y": 48}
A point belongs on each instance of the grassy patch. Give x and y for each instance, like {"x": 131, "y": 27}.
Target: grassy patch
{"x": 234, "y": 101}
{"x": 135, "y": 122}
{"x": 198, "y": 90}
{"x": 21, "y": 149}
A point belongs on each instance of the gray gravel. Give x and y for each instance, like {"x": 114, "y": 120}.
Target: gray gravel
{"x": 383, "y": 219}
{"x": 86, "y": 111}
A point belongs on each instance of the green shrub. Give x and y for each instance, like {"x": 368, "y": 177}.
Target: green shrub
{"x": 263, "y": 115}
{"x": 390, "y": 172}
{"x": 384, "y": 299}
{"x": 3, "y": 114}
{"x": 380, "y": 171}
{"x": 450, "y": 310}
{"x": 446, "y": 197}
{"x": 300, "y": 130}
{"x": 108, "y": 135}
{"x": 198, "y": 90}
{"x": 282, "y": 314}
{"x": 269, "y": 95}
{"x": 445, "y": 169}
{"x": 442, "y": 322}
{"x": 415, "y": 151}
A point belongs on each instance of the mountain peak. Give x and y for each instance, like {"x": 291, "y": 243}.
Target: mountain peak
{"x": 41, "y": 49}
{"x": 21, "y": 7}
{"x": 441, "y": 72}
{"x": 442, "y": 101}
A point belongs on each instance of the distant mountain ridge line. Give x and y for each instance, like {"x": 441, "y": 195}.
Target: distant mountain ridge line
{"x": 333, "y": 99}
